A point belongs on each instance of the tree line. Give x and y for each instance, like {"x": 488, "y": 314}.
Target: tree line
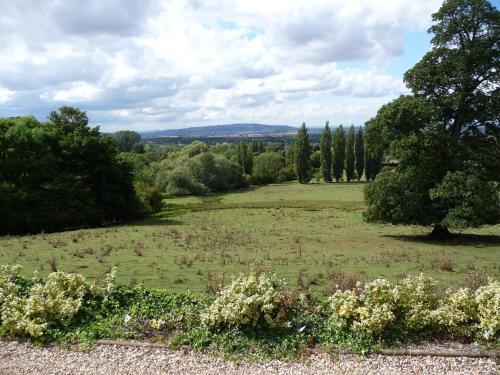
{"x": 341, "y": 157}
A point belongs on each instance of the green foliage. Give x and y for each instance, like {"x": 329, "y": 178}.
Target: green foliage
{"x": 251, "y": 300}
{"x": 290, "y": 154}
{"x": 350, "y": 155}
{"x": 326, "y": 153}
{"x": 445, "y": 136}
{"x": 459, "y": 76}
{"x": 359, "y": 151}
{"x": 267, "y": 167}
{"x": 315, "y": 160}
{"x": 287, "y": 173}
{"x": 398, "y": 198}
{"x": 128, "y": 141}
{"x": 203, "y": 173}
{"x": 302, "y": 154}
{"x": 244, "y": 156}
{"x": 339, "y": 147}
{"x": 149, "y": 196}
{"x": 465, "y": 200}
{"x": 60, "y": 175}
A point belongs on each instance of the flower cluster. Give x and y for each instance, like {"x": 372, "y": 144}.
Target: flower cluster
{"x": 414, "y": 305}
{"x": 248, "y": 300}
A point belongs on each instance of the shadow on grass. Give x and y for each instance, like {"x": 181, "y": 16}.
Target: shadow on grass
{"x": 455, "y": 239}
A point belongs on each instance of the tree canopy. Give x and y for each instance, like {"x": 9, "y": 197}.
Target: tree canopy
{"x": 445, "y": 135}
{"x": 61, "y": 174}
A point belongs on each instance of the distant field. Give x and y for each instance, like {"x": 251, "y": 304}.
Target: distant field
{"x": 300, "y": 231}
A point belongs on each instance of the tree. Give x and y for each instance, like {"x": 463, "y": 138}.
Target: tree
{"x": 244, "y": 156}
{"x": 302, "y": 155}
{"x": 128, "y": 141}
{"x": 326, "y": 153}
{"x": 290, "y": 154}
{"x": 446, "y": 136}
{"x": 61, "y": 175}
{"x": 267, "y": 167}
{"x": 338, "y": 153}
{"x": 359, "y": 149}
{"x": 459, "y": 76}
{"x": 350, "y": 156}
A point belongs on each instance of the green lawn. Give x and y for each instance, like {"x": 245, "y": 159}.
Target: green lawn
{"x": 307, "y": 230}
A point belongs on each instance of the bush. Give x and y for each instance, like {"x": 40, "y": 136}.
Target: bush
{"x": 488, "y": 300}
{"x": 249, "y": 301}
{"x": 287, "y": 173}
{"x": 267, "y": 167}
{"x": 204, "y": 173}
{"x": 416, "y": 306}
{"x": 149, "y": 196}
{"x": 49, "y": 304}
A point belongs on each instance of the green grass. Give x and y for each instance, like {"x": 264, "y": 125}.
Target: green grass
{"x": 307, "y": 230}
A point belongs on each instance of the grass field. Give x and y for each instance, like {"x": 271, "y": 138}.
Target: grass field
{"x": 303, "y": 232}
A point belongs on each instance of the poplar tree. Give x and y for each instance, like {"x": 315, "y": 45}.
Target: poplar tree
{"x": 326, "y": 153}
{"x": 338, "y": 153}
{"x": 249, "y": 159}
{"x": 359, "y": 150}
{"x": 349, "y": 152}
{"x": 302, "y": 155}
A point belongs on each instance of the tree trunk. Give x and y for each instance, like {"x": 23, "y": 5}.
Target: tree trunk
{"x": 440, "y": 232}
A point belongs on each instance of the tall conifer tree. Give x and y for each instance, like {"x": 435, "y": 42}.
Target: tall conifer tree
{"x": 359, "y": 149}
{"x": 338, "y": 153}
{"x": 326, "y": 154}
{"x": 302, "y": 155}
{"x": 349, "y": 154}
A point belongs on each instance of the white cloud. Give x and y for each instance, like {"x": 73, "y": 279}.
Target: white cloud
{"x": 5, "y": 95}
{"x": 159, "y": 64}
{"x": 78, "y": 92}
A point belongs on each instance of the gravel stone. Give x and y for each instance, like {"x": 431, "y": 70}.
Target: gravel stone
{"x": 21, "y": 358}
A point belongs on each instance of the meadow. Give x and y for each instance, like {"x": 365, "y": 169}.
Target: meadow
{"x": 313, "y": 235}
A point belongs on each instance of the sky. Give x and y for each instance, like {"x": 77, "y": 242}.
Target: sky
{"x": 153, "y": 64}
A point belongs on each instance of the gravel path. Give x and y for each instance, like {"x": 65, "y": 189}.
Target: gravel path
{"x": 18, "y": 358}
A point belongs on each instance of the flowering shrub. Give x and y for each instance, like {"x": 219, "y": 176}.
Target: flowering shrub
{"x": 488, "y": 300}
{"x": 249, "y": 300}
{"x": 457, "y": 312}
{"x": 52, "y": 303}
{"x": 414, "y": 305}
{"x": 416, "y": 298}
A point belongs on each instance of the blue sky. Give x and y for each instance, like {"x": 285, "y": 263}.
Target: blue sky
{"x": 166, "y": 64}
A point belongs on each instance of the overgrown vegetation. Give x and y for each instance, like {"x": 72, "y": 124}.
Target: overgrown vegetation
{"x": 314, "y": 230}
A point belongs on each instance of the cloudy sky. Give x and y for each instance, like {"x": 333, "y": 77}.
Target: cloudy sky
{"x": 156, "y": 64}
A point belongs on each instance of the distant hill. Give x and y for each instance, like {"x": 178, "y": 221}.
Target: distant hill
{"x": 222, "y": 130}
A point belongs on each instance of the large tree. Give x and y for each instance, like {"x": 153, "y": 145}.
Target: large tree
{"x": 446, "y": 136}
{"x": 338, "y": 153}
{"x": 326, "y": 153}
{"x": 359, "y": 149}
{"x": 128, "y": 141}
{"x": 349, "y": 154}
{"x": 302, "y": 156}
{"x": 61, "y": 174}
